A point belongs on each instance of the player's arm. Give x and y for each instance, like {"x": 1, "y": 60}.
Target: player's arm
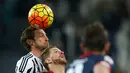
{"x": 102, "y": 67}
{"x": 26, "y": 67}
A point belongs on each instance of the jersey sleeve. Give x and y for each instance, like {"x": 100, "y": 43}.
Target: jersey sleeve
{"x": 24, "y": 66}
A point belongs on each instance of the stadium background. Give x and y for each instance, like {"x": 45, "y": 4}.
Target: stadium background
{"x": 70, "y": 18}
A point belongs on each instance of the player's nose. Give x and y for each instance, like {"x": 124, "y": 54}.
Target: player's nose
{"x": 62, "y": 52}
{"x": 46, "y": 39}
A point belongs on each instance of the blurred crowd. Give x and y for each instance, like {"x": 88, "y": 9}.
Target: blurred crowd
{"x": 70, "y": 17}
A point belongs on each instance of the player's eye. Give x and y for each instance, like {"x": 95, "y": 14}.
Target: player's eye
{"x": 56, "y": 51}
{"x": 40, "y": 35}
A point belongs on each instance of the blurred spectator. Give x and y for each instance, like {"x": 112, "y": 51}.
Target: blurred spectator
{"x": 123, "y": 41}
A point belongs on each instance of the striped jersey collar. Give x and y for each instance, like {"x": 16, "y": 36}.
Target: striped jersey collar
{"x": 34, "y": 56}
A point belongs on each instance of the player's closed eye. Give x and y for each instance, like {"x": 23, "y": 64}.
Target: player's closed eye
{"x": 56, "y": 51}
{"x": 41, "y": 35}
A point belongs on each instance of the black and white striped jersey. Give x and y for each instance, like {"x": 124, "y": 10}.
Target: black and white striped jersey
{"x": 29, "y": 64}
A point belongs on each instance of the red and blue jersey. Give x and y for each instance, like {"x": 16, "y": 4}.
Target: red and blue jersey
{"x": 87, "y": 62}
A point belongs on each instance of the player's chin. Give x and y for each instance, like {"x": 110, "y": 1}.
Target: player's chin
{"x": 45, "y": 45}
{"x": 63, "y": 60}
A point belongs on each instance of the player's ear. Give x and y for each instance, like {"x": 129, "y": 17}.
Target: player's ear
{"x": 82, "y": 47}
{"x": 48, "y": 60}
{"x": 30, "y": 42}
{"x": 107, "y": 46}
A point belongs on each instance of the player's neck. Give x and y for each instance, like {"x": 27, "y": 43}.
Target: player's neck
{"x": 36, "y": 52}
{"x": 98, "y": 53}
{"x": 57, "y": 68}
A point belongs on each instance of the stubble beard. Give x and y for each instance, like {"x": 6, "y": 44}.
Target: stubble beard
{"x": 60, "y": 61}
{"x": 41, "y": 47}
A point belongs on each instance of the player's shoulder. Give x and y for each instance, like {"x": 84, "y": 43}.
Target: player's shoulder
{"x": 76, "y": 64}
{"x": 108, "y": 59}
{"x": 107, "y": 62}
{"x": 24, "y": 62}
{"x": 104, "y": 65}
{"x": 77, "y": 61}
{"x": 25, "y": 59}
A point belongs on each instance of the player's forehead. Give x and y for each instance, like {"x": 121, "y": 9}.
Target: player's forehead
{"x": 55, "y": 49}
{"x": 39, "y": 31}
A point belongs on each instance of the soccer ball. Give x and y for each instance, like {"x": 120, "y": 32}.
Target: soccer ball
{"x": 40, "y": 16}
